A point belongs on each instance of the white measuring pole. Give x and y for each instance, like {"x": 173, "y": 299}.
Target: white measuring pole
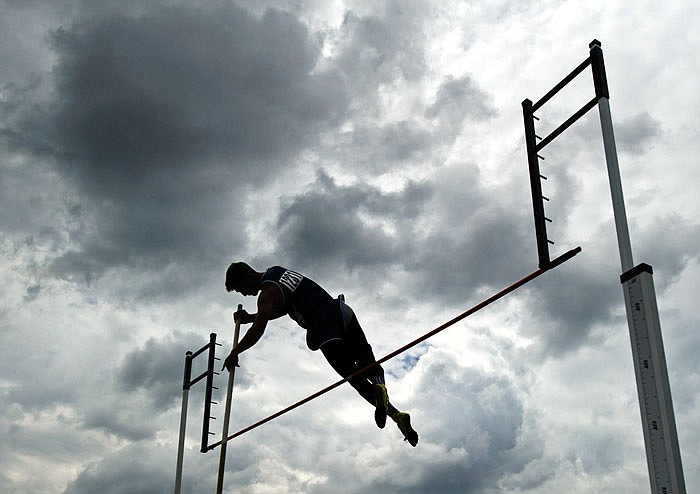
{"x": 618, "y": 200}
{"x": 183, "y": 423}
{"x": 227, "y": 413}
{"x": 181, "y": 442}
{"x": 653, "y": 388}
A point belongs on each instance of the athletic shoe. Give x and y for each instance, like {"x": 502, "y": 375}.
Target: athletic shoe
{"x": 381, "y": 400}
{"x": 403, "y": 420}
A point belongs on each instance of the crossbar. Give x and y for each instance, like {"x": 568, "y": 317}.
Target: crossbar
{"x": 556, "y": 262}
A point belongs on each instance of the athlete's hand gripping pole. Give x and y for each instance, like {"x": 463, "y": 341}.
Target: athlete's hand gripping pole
{"x": 227, "y": 413}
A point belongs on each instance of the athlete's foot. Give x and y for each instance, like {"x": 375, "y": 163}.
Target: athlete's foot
{"x": 403, "y": 420}
{"x": 381, "y": 400}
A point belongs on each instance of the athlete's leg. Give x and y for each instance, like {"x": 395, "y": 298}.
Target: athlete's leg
{"x": 363, "y": 355}
{"x": 362, "y": 350}
{"x": 339, "y": 355}
{"x": 355, "y": 353}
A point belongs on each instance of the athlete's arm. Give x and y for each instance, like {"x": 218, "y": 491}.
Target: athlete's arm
{"x": 243, "y": 317}
{"x": 270, "y": 306}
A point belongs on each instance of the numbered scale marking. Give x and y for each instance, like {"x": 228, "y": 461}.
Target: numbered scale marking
{"x": 660, "y": 437}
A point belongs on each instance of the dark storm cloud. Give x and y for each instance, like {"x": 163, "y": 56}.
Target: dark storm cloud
{"x": 475, "y": 237}
{"x": 452, "y": 244}
{"x": 159, "y": 93}
{"x": 569, "y": 303}
{"x": 124, "y": 423}
{"x": 325, "y": 224}
{"x": 158, "y": 119}
{"x": 157, "y": 368}
{"x": 454, "y": 264}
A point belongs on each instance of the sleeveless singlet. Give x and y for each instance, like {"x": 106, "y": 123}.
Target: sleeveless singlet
{"x": 308, "y": 304}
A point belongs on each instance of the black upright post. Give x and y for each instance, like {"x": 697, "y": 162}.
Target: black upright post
{"x": 188, "y": 371}
{"x": 208, "y": 393}
{"x": 536, "y": 186}
{"x": 600, "y": 80}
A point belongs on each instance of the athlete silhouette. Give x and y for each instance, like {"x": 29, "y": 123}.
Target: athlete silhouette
{"x": 330, "y": 324}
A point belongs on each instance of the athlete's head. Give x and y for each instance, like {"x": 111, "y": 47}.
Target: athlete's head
{"x": 241, "y": 278}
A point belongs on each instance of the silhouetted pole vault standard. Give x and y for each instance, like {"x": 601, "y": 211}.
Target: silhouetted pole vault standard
{"x": 653, "y": 388}
{"x": 187, "y": 383}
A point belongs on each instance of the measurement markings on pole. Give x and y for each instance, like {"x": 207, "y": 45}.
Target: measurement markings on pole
{"x": 645, "y": 338}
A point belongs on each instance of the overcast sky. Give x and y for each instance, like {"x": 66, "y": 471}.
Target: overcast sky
{"x": 377, "y": 147}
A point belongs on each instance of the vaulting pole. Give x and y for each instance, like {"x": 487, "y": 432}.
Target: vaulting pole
{"x": 227, "y": 413}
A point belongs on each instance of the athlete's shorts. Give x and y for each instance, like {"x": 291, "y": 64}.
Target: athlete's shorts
{"x": 330, "y": 324}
